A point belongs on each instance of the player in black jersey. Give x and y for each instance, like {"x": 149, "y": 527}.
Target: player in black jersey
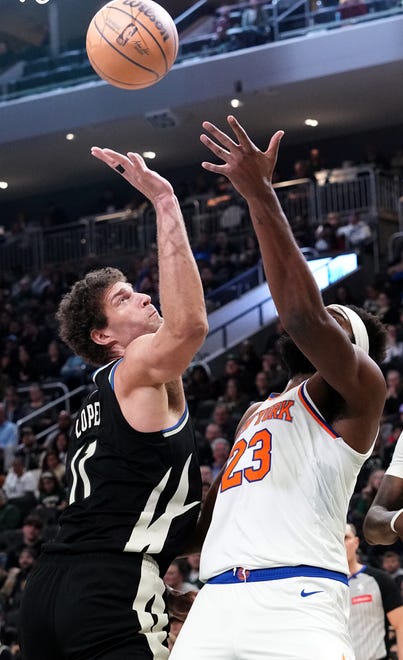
{"x": 134, "y": 482}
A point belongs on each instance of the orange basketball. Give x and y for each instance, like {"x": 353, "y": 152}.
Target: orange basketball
{"x": 132, "y": 43}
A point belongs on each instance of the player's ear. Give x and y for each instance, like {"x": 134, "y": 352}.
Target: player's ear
{"x": 100, "y": 336}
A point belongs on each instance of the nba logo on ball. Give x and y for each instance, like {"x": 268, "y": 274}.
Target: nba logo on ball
{"x": 132, "y": 44}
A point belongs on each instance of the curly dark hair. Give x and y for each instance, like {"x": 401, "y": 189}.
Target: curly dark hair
{"x": 376, "y": 333}
{"x": 82, "y": 310}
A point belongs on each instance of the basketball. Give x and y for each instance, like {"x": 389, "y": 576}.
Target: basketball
{"x": 132, "y": 44}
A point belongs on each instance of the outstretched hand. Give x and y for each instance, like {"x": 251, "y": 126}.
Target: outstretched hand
{"x": 133, "y": 168}
{"x": 248, "y": 168}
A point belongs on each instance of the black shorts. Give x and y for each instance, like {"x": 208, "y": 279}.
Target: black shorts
{"x": 94, "y": 606}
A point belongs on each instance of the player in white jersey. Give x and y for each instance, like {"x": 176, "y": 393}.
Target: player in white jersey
{"x": 273, "y": 559}
{"x": 383, "y": 523}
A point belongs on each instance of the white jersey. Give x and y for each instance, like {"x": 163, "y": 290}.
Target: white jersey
{"x": 285, "y": 492}
{"x": 395, "y": 468}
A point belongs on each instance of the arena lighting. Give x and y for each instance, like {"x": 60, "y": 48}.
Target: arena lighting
{"x": 3, "y": 185}
{"x": 311, "y": 122}
{"x": 149, "y": 154}
{"x": 70, "y": 136}
{"x": 236, "y": 103}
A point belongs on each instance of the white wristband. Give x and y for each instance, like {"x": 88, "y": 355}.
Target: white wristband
{"x": 395, "y": 517}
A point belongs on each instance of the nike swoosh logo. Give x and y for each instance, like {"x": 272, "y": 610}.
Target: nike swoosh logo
{"x": 304, "y": 593}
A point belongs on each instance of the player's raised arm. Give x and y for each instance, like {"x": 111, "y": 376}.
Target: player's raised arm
{"x": 163, "y": 356}
{"x": 323, "y": 337}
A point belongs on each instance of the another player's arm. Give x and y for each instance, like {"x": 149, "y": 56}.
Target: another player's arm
{"x": 395, "y": 618}
{"x": 387, "y": 503}
{"x": 347, "y": 369}
{"x": 163, "y": 357}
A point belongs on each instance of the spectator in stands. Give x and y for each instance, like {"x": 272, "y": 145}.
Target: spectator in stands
{"x": 51, "y": 498}
{"x": 262, "y": 386}
{"x": 207, "y": 480}
{"x": 12, "y": 404}
{"x": 210, "y": 282}
{"x": 30, "y": 536}
{"x": 300, "y": 223}
{"x": 74, "y": 372}
{"x": 326, "y": 239}
{"x": 361, "y": 501}
{"x": 11, "y": 591}
{"x": 394, "y": 349}
{"x": 206, "y": 474}
{"x": 391, "y": 440}
{"x": 52, "y": 463}
{"x": 224, "y": 256}
{"x": 357, "y": 232}
{"x": 28, "y": 448}
{"x": 198, "y": 385}
{"x": 394, "y": 396}
{"x": 248, "y": 357}
{"x": 235, "y": 398}
{"x": 392, "y": 564}
{"x": 34, "y": 337}
{"x": 315, "y": 160}
{"x": 343, "y": 296}
{"x": 375, "y": 603}
{"x": 19, "y": 482}
{"x": 222, "y": 417}
{"x": 371, "y": 301}
{"x": 64, "y": 425}
{"x": 51, "y": 362}
{"x": 395, "y": 269}
{"x": 202, "y": 248}
{"x": 233, "y": 368}
{"x": 26, "y": 368}
{"x": 8, "y": 437}
{"x": 254, "y": 16}
{"x": 222, "y": 25}
{"x": 352, "y": 8}
{"x": 221, "y": 448}
{"x": 36, "y": 401}
{"x": 10, "y": 515}
{"x": 60, "y": 445}
{"x": 249, "y": 255}
{"x": 212, "y": 430}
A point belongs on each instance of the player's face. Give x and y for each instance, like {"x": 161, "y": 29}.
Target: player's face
{"x": 294, "y": 359}
{"x": 351, "y": 543}
{"x": 130, "y": 314}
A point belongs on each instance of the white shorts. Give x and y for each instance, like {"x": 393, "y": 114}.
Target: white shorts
{"x": 296, "y": 618}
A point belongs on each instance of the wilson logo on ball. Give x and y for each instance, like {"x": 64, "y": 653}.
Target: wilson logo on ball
{"x": 132, "y": 44}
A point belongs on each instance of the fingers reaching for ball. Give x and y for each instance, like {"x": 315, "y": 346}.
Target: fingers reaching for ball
{"x": 134, "y": 169}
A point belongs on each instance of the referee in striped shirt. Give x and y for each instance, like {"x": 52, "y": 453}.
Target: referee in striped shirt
{"x": 376, "y": 604}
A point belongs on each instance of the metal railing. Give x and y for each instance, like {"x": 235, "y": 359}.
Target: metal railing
{"x": 281, "y": 21}
{"x": 111, "y": 237}
{"x": 54, "y": 403}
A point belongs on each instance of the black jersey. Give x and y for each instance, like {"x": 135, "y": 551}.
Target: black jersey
{"x": 128, "y": 491}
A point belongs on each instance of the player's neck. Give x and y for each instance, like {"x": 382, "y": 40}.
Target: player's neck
{"x": 295, "y": 381}
{"x": 354, "y": 567}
